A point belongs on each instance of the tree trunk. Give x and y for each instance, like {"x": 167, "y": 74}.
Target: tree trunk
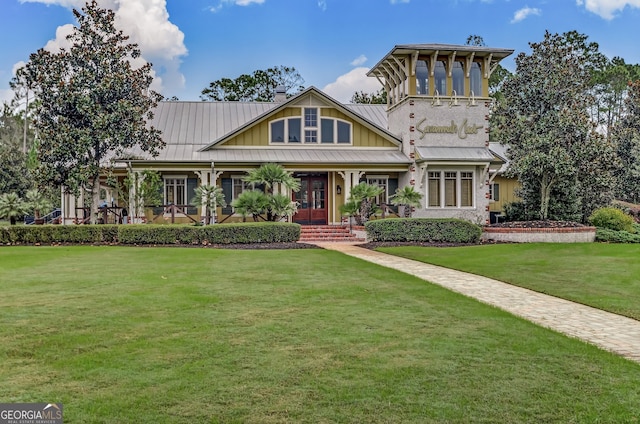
{"x": 95, "y": 199}
{"x": 545, "y": 195}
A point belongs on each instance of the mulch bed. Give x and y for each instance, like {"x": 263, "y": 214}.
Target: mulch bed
{"x": 537, "y": 224}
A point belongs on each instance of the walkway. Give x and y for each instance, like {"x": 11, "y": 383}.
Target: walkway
{"x": 608, "y": 331}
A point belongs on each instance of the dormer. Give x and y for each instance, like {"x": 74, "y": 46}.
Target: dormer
{"x": 441, "y": 72}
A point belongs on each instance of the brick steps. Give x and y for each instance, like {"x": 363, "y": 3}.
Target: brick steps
{"x": 310, "y": 233}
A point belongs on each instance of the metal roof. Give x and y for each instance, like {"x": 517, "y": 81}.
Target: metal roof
{"x": 186, "y": 153}
{"x": 454, "y": 154}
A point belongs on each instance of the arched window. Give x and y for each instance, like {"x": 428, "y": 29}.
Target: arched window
{"x": 457, "y": 75}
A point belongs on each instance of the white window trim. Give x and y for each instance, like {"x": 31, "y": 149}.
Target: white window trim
{"x": 317, "y": 129}
{"x": 384, "y": 178}
{"x": 164, "y": 192}
{"x": 442, "y": 172}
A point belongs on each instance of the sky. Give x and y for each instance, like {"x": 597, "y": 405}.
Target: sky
{"x": 331, "y": 43}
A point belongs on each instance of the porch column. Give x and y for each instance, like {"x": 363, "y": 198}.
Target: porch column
{"x": 136, "y": 210}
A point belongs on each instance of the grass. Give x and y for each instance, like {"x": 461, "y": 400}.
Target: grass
{"x": 605, "y": 276}
{"x": 170, "y": 335}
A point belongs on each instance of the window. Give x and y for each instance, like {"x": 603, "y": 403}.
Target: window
{"x": 277, "y": 132}
{"x": 475, "y": 77}
{"x": 294, "y": 130}
{"x": 440, "y": 78}
{"x": 290, "y": 130}
{"x": 494, "y": 192}
{"x": 422, "y": 77}
{"x": 434, "y": 189}
{"x": 344, "y": 132}
{"x": 326, "y": 129}
{"x": 239, "y": 186}
{"x": 457, "y": 75}
{"x": 450, "y": 189}
{"x": 383, "y": 183}
{"x": 175, "y": 191}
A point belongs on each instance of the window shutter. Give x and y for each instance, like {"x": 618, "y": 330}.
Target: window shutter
{"x": 496, "y": 192}
{"x": 227, "y": 190}
{"x": 192, "y": 184}
{"x": 157, "y": 209}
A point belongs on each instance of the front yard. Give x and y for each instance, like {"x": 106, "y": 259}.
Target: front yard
{"x": 154, "y": 335}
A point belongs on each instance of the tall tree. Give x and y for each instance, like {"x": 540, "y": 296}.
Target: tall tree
{"x": 626, "y": 136}
{"x": 14, "y": 175}
{"x": 260, "y": 86}
{"x": 554, "y": 148}
{"x": 92, "y": 104}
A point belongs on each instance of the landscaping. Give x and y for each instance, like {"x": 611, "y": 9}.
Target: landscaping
{"x": 605, "y": 276}
{"x": 153, "y": 335}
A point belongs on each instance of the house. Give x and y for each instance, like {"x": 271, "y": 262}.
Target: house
{"x": 432, "y": 134}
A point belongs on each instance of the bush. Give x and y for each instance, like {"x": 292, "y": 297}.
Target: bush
{"x": 515, "y": 211}
{"x": 263, "y": 232}
{"x": 605, "y": 235}
{"x": 423, "y": 230}
{"x": 612, "y": 219}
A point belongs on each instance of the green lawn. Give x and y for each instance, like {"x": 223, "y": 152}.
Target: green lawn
{"x": 605, "y": 276}
{"x": 182, "y": 335}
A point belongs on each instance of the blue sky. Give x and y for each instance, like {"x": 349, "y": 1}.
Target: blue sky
{"x": 332, "y": 43}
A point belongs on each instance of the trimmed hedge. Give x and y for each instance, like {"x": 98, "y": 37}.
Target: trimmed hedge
{"x": 423, "y": 230}
{"x": 244, "y": 233}
{"x": 612, "y": 219}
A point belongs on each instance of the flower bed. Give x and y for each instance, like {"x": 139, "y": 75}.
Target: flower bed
{"x": 539, "y": 232}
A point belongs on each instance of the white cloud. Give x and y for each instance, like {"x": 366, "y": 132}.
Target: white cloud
{"x": 223, "y": 3}
{"x": 607, "y": 8}
{"x": 6, "y": 95}
{"x": 147, "y": 24}
{"x": 524, "y": 13}
{"x": 322, "y": 4}
{"x": 344, "y": 86}
{"x": 360, "y": 60}
{"x": 399, "y": 1}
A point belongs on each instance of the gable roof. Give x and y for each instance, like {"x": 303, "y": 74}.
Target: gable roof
{"x": 370, "y": 117}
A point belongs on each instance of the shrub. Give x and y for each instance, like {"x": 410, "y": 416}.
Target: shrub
{"x": 515, "y": 211}
{"x": 264, "y": 232}
{"x": 612, "y": 219}
{"x": 606, "y": 235}
{"x": 423, "y": 230}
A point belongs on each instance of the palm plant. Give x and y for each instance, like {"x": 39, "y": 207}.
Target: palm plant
{"x": 360, "y": 203}
{"x": 282, "y": 206}
{"x": 268, "y": 175}
{"x": 12, "y": 207}
{"x": 407, "y": 197}
{"x": 209, "y": 197}
{"x": 253, "y": 202}
{"x": 37, "y": 202}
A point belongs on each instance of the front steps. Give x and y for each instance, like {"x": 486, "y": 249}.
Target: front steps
{"x": 334, "y": 233}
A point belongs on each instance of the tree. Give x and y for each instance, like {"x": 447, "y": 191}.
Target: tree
{"x": 407, "y": 197}
{"x": 360, "y": 203}
{"x": 626, "y": 138}
{"x": 209, "y": 197}
{"x": 12, "y": 207}
{"x": 92, "y": 104}
{"x": 378, "y": 97}
{"x": 260, "y": 86}
{"x": 271, "y": 176}
{"x": 14, "y": 175}
{"x": 554, "y": 148}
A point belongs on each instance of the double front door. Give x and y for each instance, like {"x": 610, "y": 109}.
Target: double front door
{"x": 312, "y": 199}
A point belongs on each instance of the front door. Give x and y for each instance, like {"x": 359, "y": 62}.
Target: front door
{"x": 312, "y": 200}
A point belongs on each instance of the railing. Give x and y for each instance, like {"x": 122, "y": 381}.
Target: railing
{"x": 174, "y": 210}
{"x": 50, "y": 218}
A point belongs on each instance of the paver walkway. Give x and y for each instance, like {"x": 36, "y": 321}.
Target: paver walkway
{"x": 608, "y": 331}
